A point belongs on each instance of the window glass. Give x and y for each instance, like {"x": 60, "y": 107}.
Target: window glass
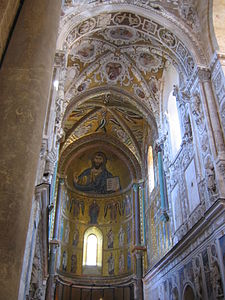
{"x": 151, "y": 178}
{"x": 175, "y": 132}
{"x": 91, "y": 250}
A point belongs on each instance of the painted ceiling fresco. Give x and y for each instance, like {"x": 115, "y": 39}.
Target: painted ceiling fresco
{"x": 119, "y": 57}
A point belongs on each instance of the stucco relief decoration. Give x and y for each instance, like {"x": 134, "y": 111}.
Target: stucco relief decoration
{"x": 223, "y": 115}
{"x": 167, "y": 37}
{"x": 138, "y": 27}
{"x": 86, "y": 26}
{"x": 188, "y": 12}
{"x": 200, "y": 122}
{"x": 197, "y": 112}
{"x": 126, "y": 18}
{"x": 72, "y": 72}
{"x": 148, "y": 61}
{"x": 121, "y": 35}
{"x": 86, "y": 52}
{"x": 139, "y": 92}
{"x": 189, "y": 64}
{"x": 210, "y": 176}
{"x": 113, "y": 70}
{"x": 154, "y": 85}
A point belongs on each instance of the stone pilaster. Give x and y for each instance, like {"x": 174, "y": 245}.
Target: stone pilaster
{"x": 24, "y": 83}
{"x": 216, "y": 139}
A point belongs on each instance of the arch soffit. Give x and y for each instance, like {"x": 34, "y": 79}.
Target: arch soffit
{"x": 216, "y": 24}
{"x": 183, "y": 34}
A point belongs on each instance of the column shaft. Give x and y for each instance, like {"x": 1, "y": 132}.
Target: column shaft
{"x": 137, "y": 215}
{"x": 25, "y": 80}
{"x": 161, "y": 180}
{"x": 57, "y": 210}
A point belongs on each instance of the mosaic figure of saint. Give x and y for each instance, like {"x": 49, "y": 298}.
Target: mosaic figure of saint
{"x": 94, "y": 179}
{"x": 110, "y": 236}
{"x": 67, "y": 233}
{"x": 111, "y": 263}
{"x": 64, "y": 261}
{"x": 113, "y": 207}
{"x": 128, "y": 233}
{"x": 127, "y": 205}
{"x": 75, "y": 237}
{"x": 73, "y": 268}
{"x": 121, "y": 262}
{"x": 128, "y": 261}
{"x": 93, "y": 213}
{"x": 121, "y": 237}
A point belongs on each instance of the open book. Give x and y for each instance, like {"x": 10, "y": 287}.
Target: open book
{"x": 113, "y": 184}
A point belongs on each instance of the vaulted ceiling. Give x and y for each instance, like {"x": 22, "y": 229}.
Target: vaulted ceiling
{"x": 114, "y": 68}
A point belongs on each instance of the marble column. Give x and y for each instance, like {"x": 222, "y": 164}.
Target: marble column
{"x": 137, "y": 214}
{"x": 138, "y": 248}
{"x": 25, "y": 80}
{"x": 54, "y": 243}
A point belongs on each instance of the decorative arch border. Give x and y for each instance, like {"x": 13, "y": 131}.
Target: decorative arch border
{"x": 162, "y": 18}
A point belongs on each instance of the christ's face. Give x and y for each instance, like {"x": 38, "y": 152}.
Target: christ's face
{"x": 98, "y": 161}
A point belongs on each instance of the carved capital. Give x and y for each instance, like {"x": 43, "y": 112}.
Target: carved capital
{"x": 138, "y": 185}
{"x": 61, "y": 180}
{"x": 204, "y": 74}
{"x": 60, "y": 59}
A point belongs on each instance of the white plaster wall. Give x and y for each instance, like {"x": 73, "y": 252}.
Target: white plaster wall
{"x": 169, "y": 79}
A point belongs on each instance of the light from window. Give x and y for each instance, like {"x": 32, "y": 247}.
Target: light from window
{"x": 151, "y": 178}
{"x": 175, "y": 132}
{"x": 91, "y": 250}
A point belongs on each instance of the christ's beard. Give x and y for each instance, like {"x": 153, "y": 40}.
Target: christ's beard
{"x": 97, "y": 166}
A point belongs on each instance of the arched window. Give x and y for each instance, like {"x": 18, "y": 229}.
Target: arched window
{"x": 151, "y": 178}
{"x": 91, "y": 250}
{"x": 174, "y": 124}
